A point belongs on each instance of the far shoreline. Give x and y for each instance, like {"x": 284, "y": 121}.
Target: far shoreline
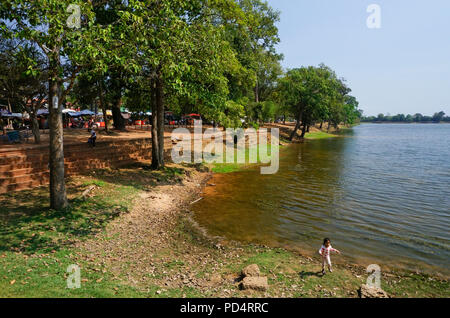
{"x": 403, "y": 123}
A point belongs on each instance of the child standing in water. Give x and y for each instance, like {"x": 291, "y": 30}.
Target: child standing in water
{"x": 325, "y": 252}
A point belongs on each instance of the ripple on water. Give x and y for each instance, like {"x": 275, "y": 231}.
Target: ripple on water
{"x": 382, "y": 195}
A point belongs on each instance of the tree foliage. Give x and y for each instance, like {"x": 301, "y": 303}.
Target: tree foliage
{"x": 213, "y": 57}
{"x": 312, "y": 94}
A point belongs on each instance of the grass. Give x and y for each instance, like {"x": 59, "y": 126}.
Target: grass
{"x": 45, "y": 275}
{"x": 234, "y": 166}
{"x": 29, "y": 226}
{"x": 299, "y": 277}
{"x": 37, "y": 243}
{"x": 318, "y": 135}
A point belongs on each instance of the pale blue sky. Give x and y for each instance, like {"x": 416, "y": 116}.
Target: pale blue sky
{"x": 404, "y": 67}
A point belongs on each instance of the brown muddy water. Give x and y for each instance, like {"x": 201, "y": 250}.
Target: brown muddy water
{"x": 380, "y": 192}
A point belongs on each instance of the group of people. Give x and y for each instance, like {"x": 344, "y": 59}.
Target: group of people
{"x": 15, "y": 124}
{"x": 79, "y": 122}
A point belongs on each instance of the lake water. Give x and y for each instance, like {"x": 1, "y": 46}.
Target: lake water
{"x": 380, "y": 192}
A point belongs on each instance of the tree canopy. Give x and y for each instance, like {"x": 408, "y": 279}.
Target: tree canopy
{"x": 213, "y": 57}
{"x": 315, "y": 94}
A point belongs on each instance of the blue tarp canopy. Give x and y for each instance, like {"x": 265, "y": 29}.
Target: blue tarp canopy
{"x": 42, "y": 112}
{"x": 8, "y": 114}
{"x": 85, "y": 112}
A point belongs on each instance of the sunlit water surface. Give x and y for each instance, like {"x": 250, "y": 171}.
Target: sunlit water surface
{"x": 380, "y": 192}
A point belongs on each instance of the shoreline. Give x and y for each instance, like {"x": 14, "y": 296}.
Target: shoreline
{"x": 200, "y": 235}
{"x": 305, "y": 250}
{"x": 349, "y": 261}
{"x": 404, "y": 123}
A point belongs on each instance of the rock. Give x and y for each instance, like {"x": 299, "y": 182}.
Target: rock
{"x": 371, "y": 292}
{"x": 251, "y": 271}
{"x": 254, "y": 283}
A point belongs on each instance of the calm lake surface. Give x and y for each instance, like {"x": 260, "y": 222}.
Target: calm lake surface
{"x": 380, "y": 192}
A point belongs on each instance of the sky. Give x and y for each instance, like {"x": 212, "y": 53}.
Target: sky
{"x": 401, "y": 67}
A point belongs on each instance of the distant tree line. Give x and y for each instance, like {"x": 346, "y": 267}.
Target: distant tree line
{"x": 401, "y": 118}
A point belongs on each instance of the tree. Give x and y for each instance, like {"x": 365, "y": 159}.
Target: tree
{"x": 184, "y": 56}
{"x": 22, "y": 80}
{"x": 438, "y": 117}
{"x": 351, "y": 112}
{"x": 417, "y": 118}
{"x": 310, "y": 93}
{"x": 52, "y": 26}
{"x": 253, "y": 38}
{"x": 399, "y": 118}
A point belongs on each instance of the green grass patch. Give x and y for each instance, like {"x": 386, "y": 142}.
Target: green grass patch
{"x": 318, "y": 135}
{"x": 234, "y": 166}
{"x": 36, "y": 242}
{"x": 45, "y": 275}
{"x": 98, "y": 183}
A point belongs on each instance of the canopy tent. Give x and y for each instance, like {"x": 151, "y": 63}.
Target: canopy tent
{"x": 108, "y": 113}
{"x": 73, "y": 114}
{"x": 85, "y": 112}
{"x": 10, "y": 115}
{"x": 42, "y": 111}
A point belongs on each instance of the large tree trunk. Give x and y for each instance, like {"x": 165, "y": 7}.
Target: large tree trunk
{"x": 160, "y": 119}
{"x": 119, "y": 122}
{"x": 297, "y": 126}
{"x": 58, "y": 196}
{"x": 155, "y": 145}
{"x": 257, "y": 92}
{"x": 294, "y": 132}
{"x": 304, "y": 129}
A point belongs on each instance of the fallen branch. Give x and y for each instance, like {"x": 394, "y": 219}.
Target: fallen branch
{"x": 198, "y": 200}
